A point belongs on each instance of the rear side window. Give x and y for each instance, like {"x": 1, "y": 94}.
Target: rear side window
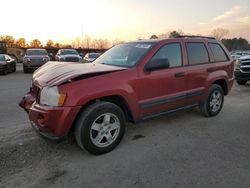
{"x": 218, "y": 52}
{"x": 197, "y": 53}
{"x": 172, "y": 52}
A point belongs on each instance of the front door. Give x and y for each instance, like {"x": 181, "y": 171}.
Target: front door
{"x": 163, "y": 89}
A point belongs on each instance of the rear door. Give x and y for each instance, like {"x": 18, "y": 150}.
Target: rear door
{"x": 164, "y": 89}
{"x": 198, "y": 68}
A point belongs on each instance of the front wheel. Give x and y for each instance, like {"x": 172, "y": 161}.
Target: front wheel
{"x": 214, "y": 101}
{"x": 100, "y": 127}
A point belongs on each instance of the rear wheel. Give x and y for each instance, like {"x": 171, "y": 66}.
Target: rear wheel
{"x": 214, "y": 101}
{"x": 241, "y": 82}
{"x": 100, "y": 127}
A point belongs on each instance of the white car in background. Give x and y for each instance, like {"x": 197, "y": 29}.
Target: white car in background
{"x": 237, "y": 54}
{"x": 90, "y": 57}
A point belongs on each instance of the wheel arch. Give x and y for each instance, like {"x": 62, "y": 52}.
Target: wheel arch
{"x": 223, "y": 84}
{"x": 115, "y": 99}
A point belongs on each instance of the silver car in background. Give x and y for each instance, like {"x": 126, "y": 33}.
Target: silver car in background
{"x": 34, "y": 58}
{"x": 90, "y": 57}
{"x": 68, "y": 55}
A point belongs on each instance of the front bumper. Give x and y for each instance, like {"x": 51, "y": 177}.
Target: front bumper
{"x": 53, "y": 123}
{"x": 239, "y": 75}
{"x": 3, "y": 68}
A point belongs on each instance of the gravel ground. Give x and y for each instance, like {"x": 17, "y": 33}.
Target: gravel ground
{"x": 183, "y": 149}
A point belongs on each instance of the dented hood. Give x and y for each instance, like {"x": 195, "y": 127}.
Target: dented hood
{"x": 56, "y": 73}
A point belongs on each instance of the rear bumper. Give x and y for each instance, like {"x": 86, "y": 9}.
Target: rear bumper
{"x": 241, "y": 75}
{"x": 230, "y": 83}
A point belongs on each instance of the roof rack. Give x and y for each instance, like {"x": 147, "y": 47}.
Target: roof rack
{"x": 194, "y": 36}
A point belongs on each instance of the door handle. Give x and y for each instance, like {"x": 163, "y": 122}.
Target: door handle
{"x": 179, "y": 75}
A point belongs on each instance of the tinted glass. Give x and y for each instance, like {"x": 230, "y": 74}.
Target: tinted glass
{"x": 36, "y": 52}
{"x": 69, "y": 52}
{"x": 125, "y": 55}
{"x": 219, "y": 54}
{"x": 172, "y": 52}
{"x": 197, "y": 53}
{"x": 2, "y": 58}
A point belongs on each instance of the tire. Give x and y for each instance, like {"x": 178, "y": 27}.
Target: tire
{"x": 241, "y": 82}
{"x": 214, "y": 101}
{"x": 25, "y": 69}
{"x": 100, "y": 127}
{"x": 5, "y": 71}
{"x": 14, "y": 68}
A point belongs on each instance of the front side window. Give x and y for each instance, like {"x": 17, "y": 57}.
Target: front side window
{"x": 172, "y": 52}
{"x": 218, "y": 52}
{"x": 197, "y": 53}
{"x": 124, "y": 55}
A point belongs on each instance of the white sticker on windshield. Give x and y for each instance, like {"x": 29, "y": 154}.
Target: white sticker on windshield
{"x": 143, "y": 46}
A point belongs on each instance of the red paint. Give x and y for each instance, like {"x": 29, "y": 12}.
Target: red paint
{"x": 135, "y": 85}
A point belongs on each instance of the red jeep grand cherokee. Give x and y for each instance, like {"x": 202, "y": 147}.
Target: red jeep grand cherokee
{"x": 129, "y": 82}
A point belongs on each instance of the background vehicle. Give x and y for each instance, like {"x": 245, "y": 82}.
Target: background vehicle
{"x": 237, "y": 54}
{"x": 3, "y": 47}
{"x": 242, "y": 70}
{"x": 68, "y": 55}
{"x": 34, "y": 58}
{"x": 90, "y": 57}
{"x": 130, "y": 82}
{"x": 7, "y": 64}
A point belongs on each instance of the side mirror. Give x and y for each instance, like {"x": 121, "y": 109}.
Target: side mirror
{"x": 8, "y": 60}
{"x": 157, "y": 64}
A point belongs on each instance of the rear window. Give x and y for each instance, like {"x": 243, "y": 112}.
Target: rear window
{"x": 197, "y": 53}
{"x": 218, "y": 52}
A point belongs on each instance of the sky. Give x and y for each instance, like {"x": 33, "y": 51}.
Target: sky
{"x": 121, "y": 20}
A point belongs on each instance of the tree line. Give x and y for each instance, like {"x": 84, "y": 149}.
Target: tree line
{"x": 86, "y": 42}
{"x": 89, "y": 43}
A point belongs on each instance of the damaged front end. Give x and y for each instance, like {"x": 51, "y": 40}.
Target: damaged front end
{"x": 27, "y": 101}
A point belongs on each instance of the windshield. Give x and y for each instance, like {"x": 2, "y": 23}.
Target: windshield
{"x": 66, "y": 52}
{"x": 2, "y": 58}
{"x": 36, "y": 52}
{"x": 125, "y": 55}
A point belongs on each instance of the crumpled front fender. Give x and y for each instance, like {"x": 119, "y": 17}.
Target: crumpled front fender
{"x": 27, "y": 101}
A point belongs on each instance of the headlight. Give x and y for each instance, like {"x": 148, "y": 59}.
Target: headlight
{"x": 238, "y": 62}
{"x": 45, "y": 59}
{"x": 61, "y": 59}
{"x": 51, "y": 97}
{"x": 26, "y": 59}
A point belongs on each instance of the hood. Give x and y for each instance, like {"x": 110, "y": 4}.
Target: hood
{"x": 244, "y": 57}
{"x": 69, "y": 55}
{"x": 35, "y": 56}
{"x": 54, "y": 73}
